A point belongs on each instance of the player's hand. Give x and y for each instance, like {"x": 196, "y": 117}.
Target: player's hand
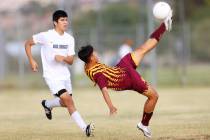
{"x": 59, "y": 58}
{"x": 34, "y": 65}
{"x": 113, "y": 111}
{"x": 168, "y": 21}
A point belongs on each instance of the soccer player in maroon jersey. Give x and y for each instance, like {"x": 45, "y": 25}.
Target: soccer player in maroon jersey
{"x": 124, "y": 75}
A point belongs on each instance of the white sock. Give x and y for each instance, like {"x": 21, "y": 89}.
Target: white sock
{"x": 53, "y": 103}
{"x": 79, "y": 121}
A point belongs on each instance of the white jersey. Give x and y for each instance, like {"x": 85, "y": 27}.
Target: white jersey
{"x": 124, "y": 49}
{"x": 53, "y": 44}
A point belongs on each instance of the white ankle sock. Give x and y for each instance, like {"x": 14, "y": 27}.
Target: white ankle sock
{"x": 79, "y": 121}
{"x": 53, "y": 103}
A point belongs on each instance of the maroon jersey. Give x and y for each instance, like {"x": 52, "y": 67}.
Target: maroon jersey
{"x": 121, "y": 77}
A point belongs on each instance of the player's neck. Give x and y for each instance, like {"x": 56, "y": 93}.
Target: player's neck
{"x": 91, "y": 64}
{"x": 59, "y": 31}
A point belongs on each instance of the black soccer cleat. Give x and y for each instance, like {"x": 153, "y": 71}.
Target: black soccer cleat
{"x": 89, "y": 129}
{"x": 47, "y": 110}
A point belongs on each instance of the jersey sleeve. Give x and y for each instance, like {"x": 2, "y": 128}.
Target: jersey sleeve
{"x": 71, "y": 50}
{"x": 39, "y": 38}
{"x": 100, "y": 80}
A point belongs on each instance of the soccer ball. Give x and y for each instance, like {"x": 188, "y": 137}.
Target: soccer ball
{"x": 161, "y": 10}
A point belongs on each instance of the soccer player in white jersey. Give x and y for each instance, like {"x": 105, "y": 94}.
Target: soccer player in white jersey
{"x": 57, "y": 52}
{"x": 125, "y": 48}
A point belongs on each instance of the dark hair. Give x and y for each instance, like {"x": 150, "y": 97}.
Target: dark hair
{"x": 85, "y": 52}
{"x": 58, "y": 14}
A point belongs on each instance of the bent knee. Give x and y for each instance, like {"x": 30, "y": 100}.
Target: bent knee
{"x": 151, "y": 94}
{"x": 66, "y": 98}
{"x": 155, "y": 95}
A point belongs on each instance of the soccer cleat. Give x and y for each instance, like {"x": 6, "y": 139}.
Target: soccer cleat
{"x": 47, "y": 110}
{"x": 168, "y": 21}
{"x": 89, "y": 130}
{"x": 145, "y": 130}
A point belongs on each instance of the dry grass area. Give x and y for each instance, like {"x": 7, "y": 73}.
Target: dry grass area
{"x": 181, "y": 114}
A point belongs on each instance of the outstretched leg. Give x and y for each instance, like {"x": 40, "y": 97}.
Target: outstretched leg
{"x": 137, "y": 57}
{"x": 151, "y": 43}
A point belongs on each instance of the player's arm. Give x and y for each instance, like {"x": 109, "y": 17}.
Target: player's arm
{"x": 112, "y": 109}
{"x": 69, "y": 59}
{"x": 66, "y": 59}
{"x": 28, "y": 45}
{"x": 101, "y": 81}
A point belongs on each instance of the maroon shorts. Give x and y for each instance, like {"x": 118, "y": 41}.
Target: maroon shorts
{"x": 137, "y": 82}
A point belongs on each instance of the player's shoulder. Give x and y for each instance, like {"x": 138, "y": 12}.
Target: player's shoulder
{"x": 96, "y": 67}
{"x": 47, "y": 33}
{"x": 69, "y": 36}
{"x": 41, "y": 33}
{"x": 50, "y": 31}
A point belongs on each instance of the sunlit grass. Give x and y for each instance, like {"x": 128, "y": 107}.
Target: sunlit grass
{"x": 181, "y": 113}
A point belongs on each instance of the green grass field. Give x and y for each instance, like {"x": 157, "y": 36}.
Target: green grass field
{"x": 181, "y": 114}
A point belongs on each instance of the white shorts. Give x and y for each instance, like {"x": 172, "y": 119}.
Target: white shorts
{"x": 57, "y": 85}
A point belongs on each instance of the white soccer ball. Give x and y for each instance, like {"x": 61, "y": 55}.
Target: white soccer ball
{"x": 161, "y": 10}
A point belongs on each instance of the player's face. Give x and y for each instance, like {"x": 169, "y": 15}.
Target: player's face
{"x": 62, "y": 23}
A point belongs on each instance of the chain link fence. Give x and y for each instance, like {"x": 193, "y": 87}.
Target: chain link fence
{"x": 176, "y": 65}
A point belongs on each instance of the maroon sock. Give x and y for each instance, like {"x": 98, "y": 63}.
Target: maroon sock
{"x": 146, "y": 117}
{"x": 158, "y": 32}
